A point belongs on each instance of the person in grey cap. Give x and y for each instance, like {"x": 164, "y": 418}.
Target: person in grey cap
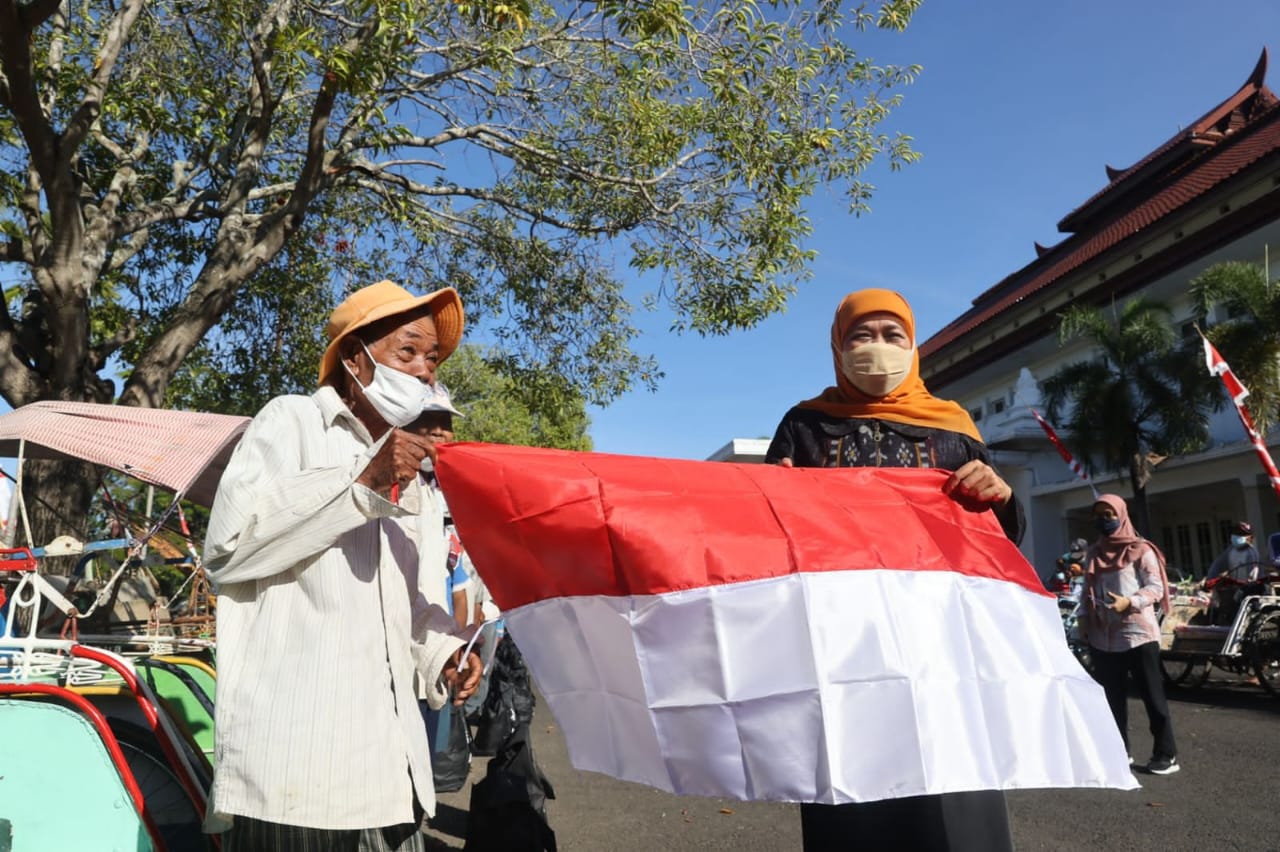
{"x": 1236, "y": 565}
{"x": 1240, "y": 560}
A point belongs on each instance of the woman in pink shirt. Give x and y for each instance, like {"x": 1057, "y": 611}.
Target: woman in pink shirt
{"x": 1124, "y": 583}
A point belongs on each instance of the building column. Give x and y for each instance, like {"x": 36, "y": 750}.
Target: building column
{"x": 1253, "y": 513}
{"x": 1021, "y": 479}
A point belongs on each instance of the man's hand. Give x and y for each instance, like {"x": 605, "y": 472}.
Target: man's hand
{"x": 785, "y": 462}
{"x": 397, "y": 461}
{"x": 977, "y": 486}
{"x": 462, "y": 684}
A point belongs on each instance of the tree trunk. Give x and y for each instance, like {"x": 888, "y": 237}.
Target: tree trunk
{"x": 1141, "y": 513}
{"x": 57, "y": 495}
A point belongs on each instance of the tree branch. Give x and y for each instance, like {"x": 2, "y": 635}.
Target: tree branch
{"x": 16, "y": 250}
{"x": 168, "y": 209}
{"x": 101, "y": 225}
{"x": 21, "y": 96}
{"x": 36, "y": 12}
{"x": 99, "y": 354}
{"x": 125, "y": 250}
{"x": 86, "y": 114}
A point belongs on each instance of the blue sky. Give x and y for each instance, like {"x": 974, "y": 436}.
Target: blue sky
{"x": 1020, "y": 106}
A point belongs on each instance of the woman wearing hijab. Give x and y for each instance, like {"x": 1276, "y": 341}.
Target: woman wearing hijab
{"x": 879, "y": 414}
{"x": 1124, "y": 582}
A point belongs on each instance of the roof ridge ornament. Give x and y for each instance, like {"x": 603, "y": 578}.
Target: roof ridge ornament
{"x": 1259, "y": 74}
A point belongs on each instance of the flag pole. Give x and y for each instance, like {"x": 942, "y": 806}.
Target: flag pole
{"x": 1076, "y": 467}
{"x": 1237, "y": 391}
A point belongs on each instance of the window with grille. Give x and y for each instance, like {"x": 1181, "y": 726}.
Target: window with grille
{"x": 1204, "y": 548}
{"x": 1185, "y": 555}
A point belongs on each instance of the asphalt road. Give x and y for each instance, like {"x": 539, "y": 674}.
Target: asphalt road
{"x": 1227, "y": 796}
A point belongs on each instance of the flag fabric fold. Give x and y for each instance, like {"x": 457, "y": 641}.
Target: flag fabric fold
{"x": 757, "y": 632}
{"x": 1238, "y": 392}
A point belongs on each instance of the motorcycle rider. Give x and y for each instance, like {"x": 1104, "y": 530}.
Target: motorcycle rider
{"x": 1234, "y": 567}
{"x": 1240, "y": 560}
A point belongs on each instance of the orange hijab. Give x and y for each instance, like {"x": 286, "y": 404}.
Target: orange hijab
{"x": 910, "y": 402}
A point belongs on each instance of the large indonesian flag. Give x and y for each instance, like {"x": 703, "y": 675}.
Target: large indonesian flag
{"x": 768, "y": 633}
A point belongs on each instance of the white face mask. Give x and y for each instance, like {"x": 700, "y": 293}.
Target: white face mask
{"x": 876, "y": 368}
{"x": 397, "y": 397}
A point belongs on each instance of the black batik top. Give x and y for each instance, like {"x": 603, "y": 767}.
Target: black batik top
{"x": 812, "y": 438}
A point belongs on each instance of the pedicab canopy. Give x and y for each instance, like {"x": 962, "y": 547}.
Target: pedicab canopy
{"x": 183, "y": 451}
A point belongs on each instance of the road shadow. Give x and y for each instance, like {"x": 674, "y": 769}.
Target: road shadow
{"x": 1236, "y": 695}
{"x": 449, "y": 820}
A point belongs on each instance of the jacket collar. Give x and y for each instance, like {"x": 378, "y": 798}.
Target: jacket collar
{"x": 333, "y": 409}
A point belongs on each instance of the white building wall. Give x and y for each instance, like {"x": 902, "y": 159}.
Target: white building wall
{"x": 1191, "y": 499}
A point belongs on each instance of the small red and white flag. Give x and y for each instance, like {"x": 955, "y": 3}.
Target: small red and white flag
{"x": 757, "y": 632}
{"x": 1076, "y": 467}
{"x": 1236, "y": 390}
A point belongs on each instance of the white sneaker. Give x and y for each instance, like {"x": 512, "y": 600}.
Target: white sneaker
{"x": 1163, "y": 765}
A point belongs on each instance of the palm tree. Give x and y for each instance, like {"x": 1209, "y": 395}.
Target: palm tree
{"x": 1142, "y": 398}
{"x": 1250, "y": 339}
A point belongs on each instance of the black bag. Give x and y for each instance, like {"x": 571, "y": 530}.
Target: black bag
{"x": 508, "y": 810}
{"x": 509, "y": 702}
{"x": 451, "y": 763}
{"x": 496, "y": 724}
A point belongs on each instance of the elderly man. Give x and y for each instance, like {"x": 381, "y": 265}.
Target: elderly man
{"x": 314, "y": 545}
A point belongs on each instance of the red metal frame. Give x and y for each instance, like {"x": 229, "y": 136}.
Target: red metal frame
{"x": 167, "y": 745}
{"x": 17, "y": 559}
{"x": 99, "y": 722}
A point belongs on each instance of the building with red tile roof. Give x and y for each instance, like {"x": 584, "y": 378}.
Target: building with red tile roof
{"x": 1209, "y": 193}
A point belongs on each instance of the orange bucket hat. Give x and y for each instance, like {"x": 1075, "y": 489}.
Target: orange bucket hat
{"x": 386, "y": 299}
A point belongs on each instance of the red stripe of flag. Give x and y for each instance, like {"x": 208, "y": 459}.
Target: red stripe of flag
{"x": 1238, "y": 392}
{"x": 622, "y": 525}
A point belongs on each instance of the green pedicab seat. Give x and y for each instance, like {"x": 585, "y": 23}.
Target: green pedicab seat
{"x": 186, "y": 692}
{"x": 60, "y": 786}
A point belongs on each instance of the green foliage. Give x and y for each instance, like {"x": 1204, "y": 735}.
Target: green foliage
{"x": 169, "y": 577}
{"x": 536, "y": 411}
{"x": 188, "y": 186}
{"x": 1249, "y": 339}
{"x": 1144, "y": 396}
{"x": 504, "y": 146}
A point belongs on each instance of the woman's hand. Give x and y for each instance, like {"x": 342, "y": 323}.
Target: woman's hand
{"x": 976, "y": 485}
{"x": 1119, "y": 603}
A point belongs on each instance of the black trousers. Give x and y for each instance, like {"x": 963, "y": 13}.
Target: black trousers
{"x": 1112, "y": 670}
{"x": 952, "y": 822}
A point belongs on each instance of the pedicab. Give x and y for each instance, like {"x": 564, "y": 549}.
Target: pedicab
{"x": 1227, "y": 624}
{"x": 122, "y": 719}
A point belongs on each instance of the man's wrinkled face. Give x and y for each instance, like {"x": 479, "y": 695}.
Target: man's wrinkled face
{"x": 408, "y": 344}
